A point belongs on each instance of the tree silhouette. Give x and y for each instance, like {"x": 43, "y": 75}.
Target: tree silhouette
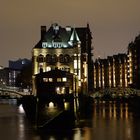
{"x": 24, "y": 78}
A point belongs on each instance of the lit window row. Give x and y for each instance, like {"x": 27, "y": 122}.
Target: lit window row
{"x": 47, "y": 79}
{"x": 64, "y": 79}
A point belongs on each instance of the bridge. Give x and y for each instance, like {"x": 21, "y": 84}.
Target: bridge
{"x": 11, "y": 92}
{"x": 116, "y": 92}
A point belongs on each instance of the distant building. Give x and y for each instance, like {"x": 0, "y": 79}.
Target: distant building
{"x": 9, "y": 74}
{"x": 111, "y": 72}
{"x": 19, "y": 64}
{"x": 67, "y": 49}
{"x": 134, "y": 63}
{"x": 8, "y": 77}
{"x": 101, "y": 74}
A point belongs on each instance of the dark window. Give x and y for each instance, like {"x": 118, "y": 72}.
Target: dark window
{"x": 40, "y": 58}
{"x": 61, "y": 58}
{"x": 48, "y": 58}
{"x": 66, "y": 58}
{"x": 54, "y": 58}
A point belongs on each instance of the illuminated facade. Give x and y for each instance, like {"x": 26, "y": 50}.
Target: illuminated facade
{"x": 134, "y": 63}
{"x": 67, "y": 49}
{"x": 122, "y": 70}
{"x": 111, "y": 72}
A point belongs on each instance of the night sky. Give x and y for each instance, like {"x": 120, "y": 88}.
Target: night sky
{"x": 113, "y": 23}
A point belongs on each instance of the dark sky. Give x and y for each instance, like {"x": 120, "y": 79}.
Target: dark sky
{"x": 114, "y": 23}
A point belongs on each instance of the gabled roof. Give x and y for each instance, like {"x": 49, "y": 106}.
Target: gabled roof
{"x": 65, "y": 36}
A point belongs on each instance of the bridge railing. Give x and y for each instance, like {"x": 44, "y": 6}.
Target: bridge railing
{"x": 116, "y": 92}
{"x": 12, "y": 92}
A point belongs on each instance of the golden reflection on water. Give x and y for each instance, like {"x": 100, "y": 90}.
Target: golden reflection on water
{"x": 111, "y": 121}
{"x": 110, "y": 110}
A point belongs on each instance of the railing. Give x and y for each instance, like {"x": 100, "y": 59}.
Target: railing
{"x": 116, "y": 92}
{"x": 9, "y": 92}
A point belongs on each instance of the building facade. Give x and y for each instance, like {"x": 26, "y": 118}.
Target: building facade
{"x": 134, "y": 63}
{"x": 111, "y": 72}
{"x": 67, "y": 49}
{"x": 8, "y": 77}
{"x": 122, "y": 70}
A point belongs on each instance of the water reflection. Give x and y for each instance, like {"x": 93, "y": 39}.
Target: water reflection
{"x": 13, "y": 124}
{"x": 111, "y": 110}
{"x": 109, "y": 121}
{"x": 20, "y": 109}
{"x": 112, "y": 120}
{"x": 59, "y": 135}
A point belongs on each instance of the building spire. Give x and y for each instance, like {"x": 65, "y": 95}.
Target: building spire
{"x": 74, "y": 37}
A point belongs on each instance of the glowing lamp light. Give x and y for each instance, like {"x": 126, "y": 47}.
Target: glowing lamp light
{"x": 51, "y": 105}
{"x": 66, "y": 105}
{"x": 21, "y": 110}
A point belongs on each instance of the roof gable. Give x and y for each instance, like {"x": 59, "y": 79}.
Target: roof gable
{"x": 58, "y": 37}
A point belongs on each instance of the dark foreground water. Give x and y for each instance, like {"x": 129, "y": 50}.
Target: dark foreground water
{"x": 108, "y": 122}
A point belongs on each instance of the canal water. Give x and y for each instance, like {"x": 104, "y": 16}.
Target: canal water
{"x": 108, "y": 121}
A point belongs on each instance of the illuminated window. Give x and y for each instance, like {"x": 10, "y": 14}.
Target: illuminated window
{"x": 48, "y": 68}
{"x": 45, "y": 79}
{"x": 51, "y": 105}
{"x": 75, "y": 64}
{"x": 64, "y": 79}
{"x": 50, "y": 80}
{"x": 58, "y": 90}
{"x": 58, "y": 79}
{"x": 79, "y": 64}
{"x": 40, "y": 65}
{"x": 63, "y": 90}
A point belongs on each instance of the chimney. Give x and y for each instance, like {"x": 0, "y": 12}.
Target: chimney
{"x": 43, "y": 31}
